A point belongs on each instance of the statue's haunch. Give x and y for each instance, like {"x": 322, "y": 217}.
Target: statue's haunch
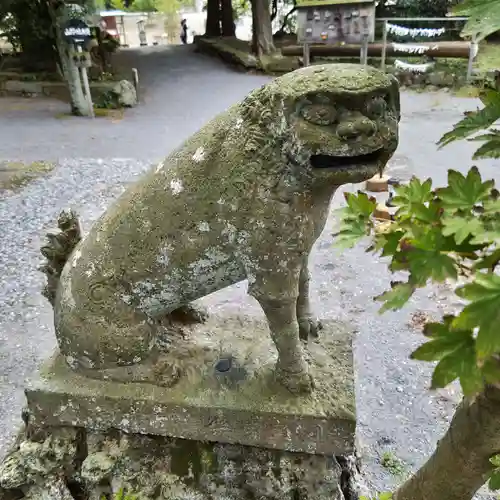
{"x": 244, "y": 198}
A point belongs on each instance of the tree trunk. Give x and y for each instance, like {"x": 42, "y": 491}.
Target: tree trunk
{"x": 213, "y": 27}
{"x": 262, "y": 32}
{"x": 34, "y": 29}
{"x": 460, "y": 464}
{"x": 79, "y": 105}
{"x": 228, "y": 27}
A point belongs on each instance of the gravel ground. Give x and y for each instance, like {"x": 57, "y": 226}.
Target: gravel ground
{"x": 96, "y": 159}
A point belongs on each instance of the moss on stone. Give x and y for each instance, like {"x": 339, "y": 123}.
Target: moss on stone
{"x": 231, "y": 50}
{"x": 154, "y": 467}
{"x": 208, "y": 458}
{"x": 241, "y": 198}
{"x": 16, "y": 175}
{"x": 278, "y": 64}
{"x": 186, "y": 461}
{"x": 238, "y": 52}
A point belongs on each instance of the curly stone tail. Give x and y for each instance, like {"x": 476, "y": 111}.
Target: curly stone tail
{"x": 61, "y": 244}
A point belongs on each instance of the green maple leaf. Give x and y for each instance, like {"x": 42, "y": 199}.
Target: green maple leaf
{"x": 487, "y": 237}
{"x": 437, "y": 349}
{"x": 385, "y": 496}
{"x": 461, "y": 364}
{"x": 491, "y": 372}
{"x": 413, "y": 193}
{"x": 464, "y": 192}
{"x": 356, "y": 221}
{"x": 350, "y": 233}
{"x": 484, "y": 17}
{"x": 489, "y": 261}
{"x": 461, "y": 227}
{"x": 482, "y": 312}
{"x": 430, "y": 264}
{"x": 475, "y": 121}
{"x": 424, "y": 213}
{"x": 491, "y": 148}
{"x": 360, "y": 204}
{"x": 380, "y": 496}
{"x": 454, "y": 349}
{"x": 494, "y": 482}
{"x": 397, "y": 297}
{"x": 490, "y": 232}
{"x": 389, "y": 242}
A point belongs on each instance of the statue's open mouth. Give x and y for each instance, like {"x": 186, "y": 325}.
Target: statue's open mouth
{"x": 328, "y": 161}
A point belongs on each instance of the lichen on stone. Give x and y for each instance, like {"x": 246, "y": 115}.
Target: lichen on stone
{"x": 254, "y": 184}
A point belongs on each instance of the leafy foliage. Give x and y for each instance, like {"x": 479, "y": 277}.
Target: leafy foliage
{"x": 123, "y": 495}
{"x": 494, "y": 482}
{"x": 448, "y": 234}
{"x": 439, "y": 235}
{"x": 414, "y": 8}
{"x": 381, "y": 496}
{"x": 484, "y": 17}
{"x": 477, "y": 121}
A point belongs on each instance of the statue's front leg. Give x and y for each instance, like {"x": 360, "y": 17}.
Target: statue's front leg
{"x": 309, "y": 325}
{"x": 277, "y": 292}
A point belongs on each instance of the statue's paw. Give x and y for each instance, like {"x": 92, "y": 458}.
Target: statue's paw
{"x": 296, "y": 382}
{"x": 189, "y": 314}
{"x": 309, "y": 328}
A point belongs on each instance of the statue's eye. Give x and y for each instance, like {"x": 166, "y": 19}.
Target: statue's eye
{"x": 376, "y": 107}
{"x": 319, "y": 114}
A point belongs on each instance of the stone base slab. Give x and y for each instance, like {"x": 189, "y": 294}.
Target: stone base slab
{"x": 76, "y": 464}
{"x": 243, "y": 405}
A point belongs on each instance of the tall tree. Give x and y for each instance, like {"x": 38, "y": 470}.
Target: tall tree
{"x": 213, "y": 26}
{"x": 262, "y": 31}
{"x": 220, "y": 19}
{"x": 228, "y": 27}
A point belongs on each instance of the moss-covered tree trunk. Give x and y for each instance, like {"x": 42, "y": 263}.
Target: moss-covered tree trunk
{"x": 228, "y": 27}
{"x": 460, "y": 464}
{"x": 214, "y": 14}
{"x": 262, "y": 32}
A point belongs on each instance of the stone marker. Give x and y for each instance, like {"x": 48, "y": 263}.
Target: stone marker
{"x": 148, "y": 394}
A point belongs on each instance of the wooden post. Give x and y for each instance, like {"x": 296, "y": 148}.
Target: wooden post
{"x": 384, "y": 46}
{"x": 306, "y": 55}
{"x": 86, "y": 86}
{"x": 125, "y": 44}
{"x": 364, "y": 51}
{"x": 472, "y": 54}
{"x": 135, "y": 78}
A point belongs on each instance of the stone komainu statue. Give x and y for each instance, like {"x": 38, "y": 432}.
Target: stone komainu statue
{"x": 244, "y": 197}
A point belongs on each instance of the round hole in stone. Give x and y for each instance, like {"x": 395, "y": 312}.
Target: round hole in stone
{"x": 223, "y": 365}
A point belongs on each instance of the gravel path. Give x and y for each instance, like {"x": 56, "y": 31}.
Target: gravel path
{"x": 95, "y": 161}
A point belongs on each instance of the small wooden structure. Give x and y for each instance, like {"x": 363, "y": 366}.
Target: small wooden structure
{"x": 333, "y": 21}
{"x": 466, "y": 49}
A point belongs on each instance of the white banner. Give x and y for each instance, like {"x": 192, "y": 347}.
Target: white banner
{"x": 414, "y": 32}
{"x": 408, "y": 48}
{"x": 414, "y": 68}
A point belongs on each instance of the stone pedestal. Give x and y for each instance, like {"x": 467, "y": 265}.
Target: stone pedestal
{"x": 226, "y": 430}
